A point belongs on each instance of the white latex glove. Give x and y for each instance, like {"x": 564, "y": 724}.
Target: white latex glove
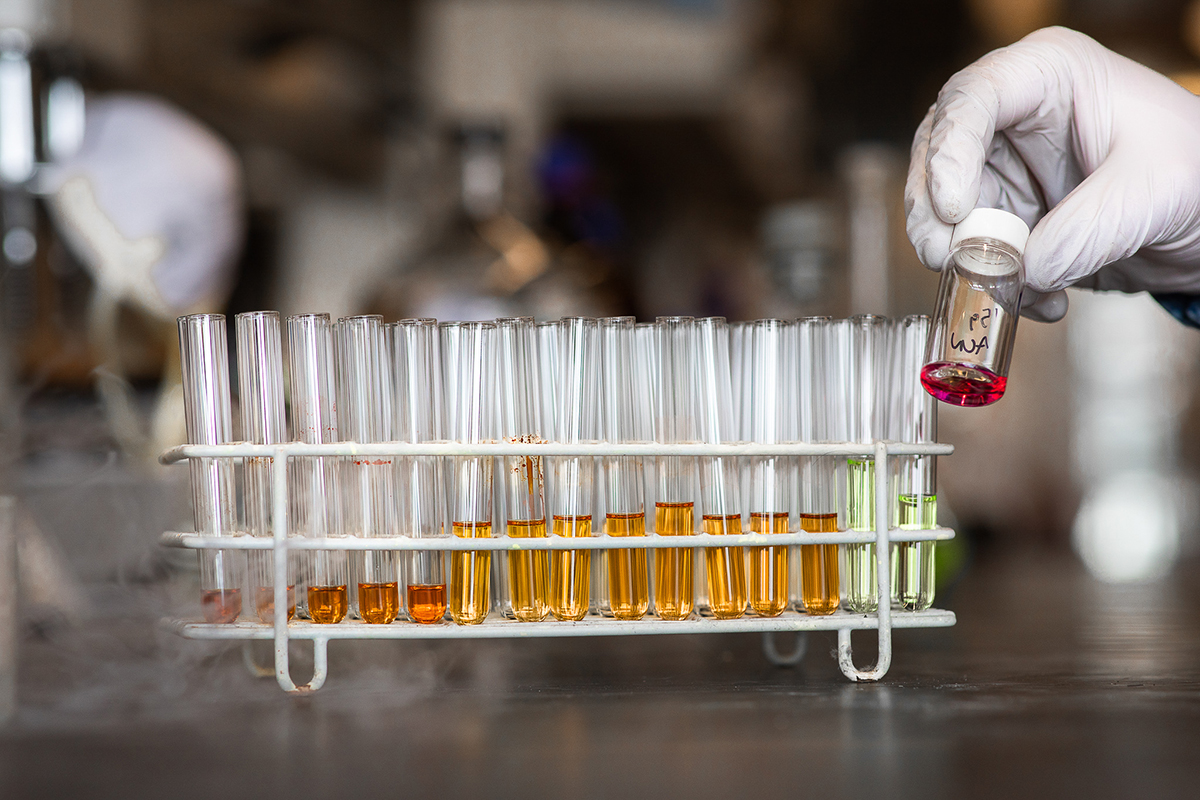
{"x": 1098, "y": 154}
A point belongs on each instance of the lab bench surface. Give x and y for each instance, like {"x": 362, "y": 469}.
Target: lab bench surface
{"x": 1051, "y": 684}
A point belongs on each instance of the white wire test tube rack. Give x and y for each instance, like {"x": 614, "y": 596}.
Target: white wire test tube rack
{"x": 884, "y": 620}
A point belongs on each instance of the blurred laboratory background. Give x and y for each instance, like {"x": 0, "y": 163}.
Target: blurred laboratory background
{"x": 471, "y": 159}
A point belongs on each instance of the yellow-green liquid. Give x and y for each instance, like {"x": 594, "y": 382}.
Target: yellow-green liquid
{"x": 862, "y": 575}
{"x": 913, "y": 562}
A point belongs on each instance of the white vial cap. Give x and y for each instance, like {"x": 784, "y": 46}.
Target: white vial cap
{"x": 992, "y": 223}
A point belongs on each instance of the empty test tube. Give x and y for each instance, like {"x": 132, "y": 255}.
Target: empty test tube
{"x": 419, "y": 495}
{"x": 914, "y": 478}
{"x": 865, "y": 349}
{"x": 468, "y": 380}
{"x": 364, "y": 416}
{"x": 821, "y": 418}
{"x": 205, "y": 367}
{"x": 260, "y": 391}
{"x": 720, "y": 477}
{"x": 623, "y": 419}
{"x": 575, "y": 422}
{"x": 770, "y": 418}
{"x": 315, "y": 496}
{"x": 521, "y": 480}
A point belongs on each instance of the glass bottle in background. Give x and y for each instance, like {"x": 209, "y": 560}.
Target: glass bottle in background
{"x": 769, "y": 414}
{"x": 576, "y": 421}
{"x": 315, "y": 495}
{"x": 418, "y": 401}
{"x": 623, "y": 414}
{"x": 822, "y": 418}
{"x": 864, "y": 352}
{"x": 205, "y": 366}
{"x": 260, "y": 392}
{"x": 914, "y": 478}
{"x": 364, "y": 416}
{"x": 675, "y": 423}
{"x": 521, "y": 477}
{"x": 720, "y": 477}
{"x": 468, "y": 381}
{"x": 978, "y": 304}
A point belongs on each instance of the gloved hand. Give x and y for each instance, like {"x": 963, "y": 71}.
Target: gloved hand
{"x": 1098, "y": 154}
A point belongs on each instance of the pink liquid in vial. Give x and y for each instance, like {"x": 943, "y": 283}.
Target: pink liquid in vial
{"x": 966, "y": 385}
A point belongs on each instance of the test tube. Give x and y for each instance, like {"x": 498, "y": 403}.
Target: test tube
{"x": 575, "y": 421}
{"x": 315, "y": 495}
{"x": 260, "y": 391}
{"x": 720, "y": 480}
{"x": 622, "y": 419}
{"x": 865, "y": 353}
{"x": 205, "y": 367}
{"x": 818, "y": 392}
{"x": 522, "y": 479}
{"x": 364, "y": 416}
{"x": 675, "y": 492}
{"x": 467, "y": 379}
{"x": 914, "y": 478}
{"x": 417, "y": 373}
{"x": 770, "y": 414}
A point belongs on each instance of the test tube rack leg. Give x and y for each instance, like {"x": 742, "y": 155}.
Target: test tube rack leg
{"x": 281, "y": 631}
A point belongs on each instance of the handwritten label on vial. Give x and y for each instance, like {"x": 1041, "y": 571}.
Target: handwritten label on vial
{"x": 972, "y": 336}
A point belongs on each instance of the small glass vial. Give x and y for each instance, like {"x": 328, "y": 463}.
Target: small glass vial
{"x": 979, "y": 300}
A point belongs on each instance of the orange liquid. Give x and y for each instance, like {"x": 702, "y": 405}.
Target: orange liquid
{"x": 571, "y": 571}
{"x": 768, "y": 568}
{"x": 427, "y": 604}
{"x": 327, "y": 604}
{"x": 378, "y": 603}
{"x": 628, "y": 579}
{"x": 528, "y": 573}
{"x": 726, "y": 567}
{"x": 471, "y": 576}
{"x": 221, "y": 606}
{"x": 819, "y": 579}
{"x": 264, "y": 603}
{"x": 674, "y": 594}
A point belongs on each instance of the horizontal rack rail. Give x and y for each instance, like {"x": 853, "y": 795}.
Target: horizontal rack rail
{"x": 507, "y": 629}
{"x": 883, "y": 620}
{"x": 599, "y": 542}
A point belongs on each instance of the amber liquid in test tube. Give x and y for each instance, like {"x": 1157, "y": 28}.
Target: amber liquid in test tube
{"x": 769, "y": 417}
{"x": 205, "y": 366}
{"x": 675, "y": 423}
{"x": 417, "y": 373}
{"x": 364, "y": 416}
{"x": 260, "y": 390}
{"x": 315, "y": 496}
{"x": 468, "y": 361}
{"x": 816, "y": 351}
{"x": 624, "y": 418}
{"x": 576, "y": 421}
{"x": 720, "y": 478}
{"x": 522, "y": 479}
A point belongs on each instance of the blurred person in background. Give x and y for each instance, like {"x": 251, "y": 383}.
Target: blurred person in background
{"x": 151, "y": 204}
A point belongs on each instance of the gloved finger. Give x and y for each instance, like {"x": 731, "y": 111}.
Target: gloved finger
{"x": 1007, "y": 183}
{"x": 930, "y": 236}
{"x": 1043, "y": 307}
{"x": 1106, "y": 218}
{"x": 1008, "y": 86}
